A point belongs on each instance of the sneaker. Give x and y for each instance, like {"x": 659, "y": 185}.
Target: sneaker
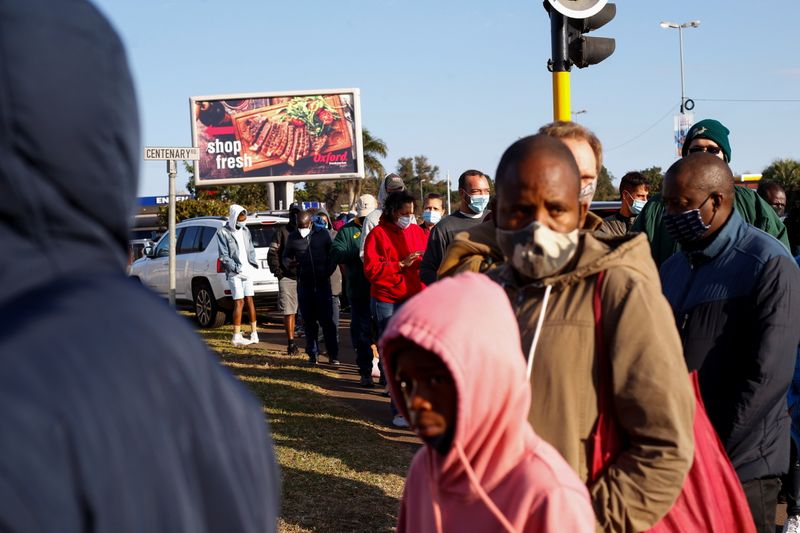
{"x": 299, "y": 331}
{"x": 292, "y": 349}
{"x": 334, "y": 362}
{"x": 239, "y": 340}
{"x": 366, "y": 382}
{"x": 399, "y": 421}
{"x": 254, "y": 337}
{"x": 792, "y": 524}
{"x": 312, "y": 360}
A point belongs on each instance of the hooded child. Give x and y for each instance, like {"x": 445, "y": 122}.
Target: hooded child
{"x": 482, "y": 467}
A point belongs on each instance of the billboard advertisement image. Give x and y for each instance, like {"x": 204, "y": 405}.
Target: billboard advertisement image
{"x": 289, "y": 136}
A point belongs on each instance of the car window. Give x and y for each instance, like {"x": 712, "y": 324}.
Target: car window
{"x": 188, "y": 241}
{"x": 261, "y": 234}
{"x": 206, "y": 237}
{"x": 162, "y": 250}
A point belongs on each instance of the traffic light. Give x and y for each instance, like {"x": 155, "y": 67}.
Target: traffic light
{"x": 585, "y": 51}
{"x": 569, "y": 21}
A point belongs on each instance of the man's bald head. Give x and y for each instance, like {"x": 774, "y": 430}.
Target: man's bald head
{"x": 700, "y": 181}
{"x": 304, "y": 219}
{"x": 538, "y": 179}
{"x": 533, "y": 146}
{"x": 703, "y": 171}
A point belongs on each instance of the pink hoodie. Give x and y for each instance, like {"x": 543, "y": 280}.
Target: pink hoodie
{"x": 498, "y": 475}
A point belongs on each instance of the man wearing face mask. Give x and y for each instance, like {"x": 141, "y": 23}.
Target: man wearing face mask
{"x": 432, "y": 211}
{"x": 634, "y": 190}
{"x": 735, "y": 294}
{"x": 774, "y": 195}
{"x": 238, "y": 259}
{"x": 708, "y": 136}
{"x": 554, "y": 275}
{"x": 287, "y": 278}
{"x": 473, "y": 187}
{"x": 308, "y": 250}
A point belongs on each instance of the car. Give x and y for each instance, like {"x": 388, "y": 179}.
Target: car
{"x": 199, "y": 277}
{"x": 605, "y": 209}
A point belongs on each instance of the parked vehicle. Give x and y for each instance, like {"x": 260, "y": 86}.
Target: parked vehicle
{"x": 200, "y": 279}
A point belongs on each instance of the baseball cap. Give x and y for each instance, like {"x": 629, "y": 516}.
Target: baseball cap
{"x": 393, "y": 182}
{"x": 366, "y": 204}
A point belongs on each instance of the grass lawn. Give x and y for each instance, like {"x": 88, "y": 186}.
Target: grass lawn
{"x": 339, "y": 472}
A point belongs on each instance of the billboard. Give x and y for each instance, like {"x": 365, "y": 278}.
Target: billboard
{"x": 287, "y": 136}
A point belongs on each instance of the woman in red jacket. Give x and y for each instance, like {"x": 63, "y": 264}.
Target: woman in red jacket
{"x": 392, "y": 254}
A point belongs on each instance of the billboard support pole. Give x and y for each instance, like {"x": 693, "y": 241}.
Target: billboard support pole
{"x": 448, "y": 192}
{"x": 172, "y": 172}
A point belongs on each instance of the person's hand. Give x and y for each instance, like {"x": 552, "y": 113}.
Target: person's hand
{"x": 408, "y": 261}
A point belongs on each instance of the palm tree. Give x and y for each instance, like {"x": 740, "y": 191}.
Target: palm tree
{"x": 374, "y": 148}
{"x": 784, "y": 171}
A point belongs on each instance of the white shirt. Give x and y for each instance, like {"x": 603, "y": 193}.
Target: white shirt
{"x": 247, "y": 268}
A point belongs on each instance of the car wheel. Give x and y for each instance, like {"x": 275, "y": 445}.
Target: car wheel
{"x": 206, "y": 310}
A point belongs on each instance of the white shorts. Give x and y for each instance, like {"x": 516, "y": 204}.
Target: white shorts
{"x": 241, "y": 287}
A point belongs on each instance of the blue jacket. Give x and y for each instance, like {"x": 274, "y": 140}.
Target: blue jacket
{"x": 114, "y": 416}
{"x": 737, "y": 307}
{"x": 793, "y": 397}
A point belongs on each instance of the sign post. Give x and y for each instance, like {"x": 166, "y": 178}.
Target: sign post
{"x": 171, "y": 155}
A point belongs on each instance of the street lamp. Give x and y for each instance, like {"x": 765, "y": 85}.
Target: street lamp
{"x": 691, "y": 24}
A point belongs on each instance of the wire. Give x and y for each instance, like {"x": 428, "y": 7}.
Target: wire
{"x": 665, "y": 115}
{"x": 743, "y": 100}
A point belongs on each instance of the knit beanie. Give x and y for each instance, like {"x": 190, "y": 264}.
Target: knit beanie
{"x": 709, "y": 129}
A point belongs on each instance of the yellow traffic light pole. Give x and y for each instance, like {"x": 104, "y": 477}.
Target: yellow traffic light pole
{"x": 562, "y": 107}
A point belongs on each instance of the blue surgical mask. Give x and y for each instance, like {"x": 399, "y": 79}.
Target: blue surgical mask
{"x": 688, "y": 226}
{"x": 478, "y": 202}
{"x": 431, "y": 217}
{"x": 637, "y": 206}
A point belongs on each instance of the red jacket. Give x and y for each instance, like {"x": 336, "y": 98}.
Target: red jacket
{"x": 386, "y": 245}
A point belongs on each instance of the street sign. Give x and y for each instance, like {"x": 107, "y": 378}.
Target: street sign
{"x": 171, "y": 153}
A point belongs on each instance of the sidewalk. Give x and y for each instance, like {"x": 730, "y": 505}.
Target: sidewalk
{"x": 369, "y": 403}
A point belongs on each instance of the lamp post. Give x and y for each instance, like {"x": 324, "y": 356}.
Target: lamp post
{"x": 691, "y": 24}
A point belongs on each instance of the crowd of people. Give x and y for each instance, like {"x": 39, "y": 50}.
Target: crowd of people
{"x": 564, "y": 372}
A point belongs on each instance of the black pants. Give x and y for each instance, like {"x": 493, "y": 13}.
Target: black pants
{"x": 793, "y": 483}
{"x": 762, "y": 496}
{"x": 361, "y": 334}
{"x": 316, "y": 305}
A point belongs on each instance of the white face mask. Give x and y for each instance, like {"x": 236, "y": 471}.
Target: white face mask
{"x": 536, "y": 251}
{"x": 404, "y": 222}
{"x": 304, "y": 232}
{"x": 587, "y": 192}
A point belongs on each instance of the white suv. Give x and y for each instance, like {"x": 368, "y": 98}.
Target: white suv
{"x": 199, "y": 277}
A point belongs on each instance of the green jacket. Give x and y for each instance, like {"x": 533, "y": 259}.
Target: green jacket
{"x": 345, "y": 251}
{"x": 753, "y": 209}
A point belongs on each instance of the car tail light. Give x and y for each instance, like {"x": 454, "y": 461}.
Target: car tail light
{"x": 227, "y": 292}
{"x": 219, "y": 266}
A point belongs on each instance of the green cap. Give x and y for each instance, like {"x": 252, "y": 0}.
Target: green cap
{"x": 709, "y": 129}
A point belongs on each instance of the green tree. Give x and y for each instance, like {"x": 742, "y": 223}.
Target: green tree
{"x": 605, "y": 187}
{"x": 784, "y": 171}
{"x": 418, "y": 174}
{"x": 654, "y": 178}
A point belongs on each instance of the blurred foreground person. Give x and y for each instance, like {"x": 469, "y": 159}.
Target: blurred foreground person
{"x": 115, "y": 417}
{"x": 735, "y": 294}
{"x": 599, "y": 336}
{"x": 467, "y": 396}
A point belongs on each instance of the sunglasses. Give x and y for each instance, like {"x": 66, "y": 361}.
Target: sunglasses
{"x": 710, "y": 149}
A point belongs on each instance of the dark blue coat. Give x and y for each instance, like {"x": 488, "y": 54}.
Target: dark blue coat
{"x": 313, "y": 256}
{"x": 114, "y": 416}
{"x": 737, "y": 307}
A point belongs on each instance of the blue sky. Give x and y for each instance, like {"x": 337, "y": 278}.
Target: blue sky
{"x": 460, "y": 81}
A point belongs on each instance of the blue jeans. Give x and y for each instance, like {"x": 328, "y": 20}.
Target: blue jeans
{"x": 361, "y": 334}
{"x": 316, "y": 306}
{"x": 381, "y": 313}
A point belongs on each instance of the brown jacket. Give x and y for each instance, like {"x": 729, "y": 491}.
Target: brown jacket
{"x": 652, "y": 397}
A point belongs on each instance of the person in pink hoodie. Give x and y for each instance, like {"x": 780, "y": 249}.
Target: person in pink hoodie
{"x": 466, "y": 394}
